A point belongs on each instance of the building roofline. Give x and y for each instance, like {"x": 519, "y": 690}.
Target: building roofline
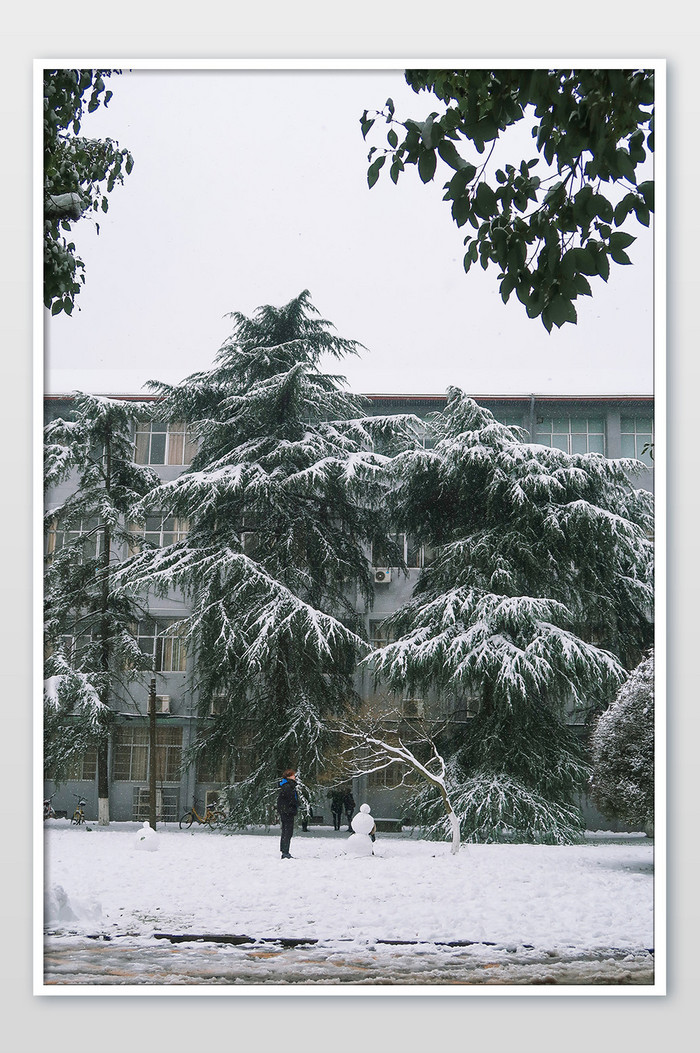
{"x": 393, "y": 397}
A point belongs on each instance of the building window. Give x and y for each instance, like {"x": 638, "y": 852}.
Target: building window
{"x": 168, "y": 754}
{"x": 160, "y": 443}
{"x": 636, "y": 432}
{"x": 511, "y": 420}
{"x": 386, "y": 778}
{"x": 158, "y": 637}
{"x": 160, "y": 531}
{"x": 210, "y": 769}
{"x": 167, "y": 810}
{"x": 82, "y": 768}
{"x": 90, "y": 531}
{"x": 73, "y": 648}
{"x": 426, "y": 436}
{"x": 414, "y": 554}
{"x": 131, "y": 754}
{"x": 379, "y": 634}
{"x": 571, "y": 434}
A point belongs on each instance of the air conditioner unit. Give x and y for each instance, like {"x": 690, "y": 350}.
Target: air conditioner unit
{"x": 382, "y": 574}
{"x": 162, "y": 703}
{"x": 413, "y": 707}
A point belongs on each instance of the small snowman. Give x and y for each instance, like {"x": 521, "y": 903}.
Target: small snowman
{"x": 146, "y": 839}
{"x": 360, "y": 842}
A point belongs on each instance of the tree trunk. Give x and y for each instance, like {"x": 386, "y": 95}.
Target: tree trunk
{"x": 105, "y": 629}
{"x": 453, "y": 819}
{"x": 152, "y": 791}
{"x": 103, "y": 783}
{"x": 454, "y": 824}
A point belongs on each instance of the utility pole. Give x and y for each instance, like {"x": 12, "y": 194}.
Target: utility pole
{"x": 152, "y": 754}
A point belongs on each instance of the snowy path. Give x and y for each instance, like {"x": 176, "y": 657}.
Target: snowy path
{"x": 536, "y": 914}
{"x": 78, "y": 961}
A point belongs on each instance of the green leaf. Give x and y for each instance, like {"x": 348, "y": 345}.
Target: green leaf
{"x": 642, "y": 214}
{"x": 427, "y": 163}
{"x": 366, "y": 123}
{"x": 485, "y": 204}
{"x": 560, "y": 310}
{"x": 582, "y": 286}
{"x": 619, "y": 256}
{"x": 621, "y": 240}
{"x": 603, "y": 208}
{"x": 603, "y": 265}
{"x": 624, "y": 207}
{"x": 448, "y": 152}
{"x": 373, "y": 171}
{"x": 646, "y": 189}
{"x": 427, "y": 130}
{"x": 459, "y": 181}
{"x": 578, "y": 261}
{"x": 461, "y": 210}
{"x": 507, "y": 286}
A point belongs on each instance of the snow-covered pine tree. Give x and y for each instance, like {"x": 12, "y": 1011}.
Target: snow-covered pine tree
{"x": 284, "y": 498}
{"x": 89, "y": 623}
{"x": 622, "y": 747}
{"x": 540, "y": 595}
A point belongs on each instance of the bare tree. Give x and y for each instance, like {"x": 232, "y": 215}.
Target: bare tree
{"x": 375, "y": 743}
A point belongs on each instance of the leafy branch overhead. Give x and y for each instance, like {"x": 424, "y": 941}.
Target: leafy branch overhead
{"x": 547, "y": 222}
{"x": 79, "y": 174}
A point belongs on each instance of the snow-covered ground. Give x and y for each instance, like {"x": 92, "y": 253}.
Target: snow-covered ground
{"x": 412, "y": 913}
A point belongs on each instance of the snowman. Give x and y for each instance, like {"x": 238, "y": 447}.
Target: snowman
{"x": 359, "y": 842}
{"x": 146, "y": 839}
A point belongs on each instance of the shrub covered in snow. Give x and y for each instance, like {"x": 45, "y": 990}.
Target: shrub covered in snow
{"x": 495, "y": 807}
{"x": 622, "y": 784}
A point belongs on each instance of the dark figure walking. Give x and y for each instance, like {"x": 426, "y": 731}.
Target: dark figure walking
{"x": 349, "y": 807}
{"x": 287, "y": 805}
{"x": 337, "y": 808}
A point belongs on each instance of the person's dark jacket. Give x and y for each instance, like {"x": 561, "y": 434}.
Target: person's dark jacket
{"x": 287, "y": 801}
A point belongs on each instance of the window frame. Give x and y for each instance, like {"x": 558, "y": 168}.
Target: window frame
{"x": 638, "y": 436}
{"x": 132, "y": 754}
{"x": 169, "y": 650}
{"x": 179, "y": 443}
{"x": 180, "y": 529}
{"x": 546, "y": 438}
{"x": 87, "y": 527}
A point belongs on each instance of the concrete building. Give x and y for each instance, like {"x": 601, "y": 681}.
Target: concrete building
{"x": 613, "y": 426}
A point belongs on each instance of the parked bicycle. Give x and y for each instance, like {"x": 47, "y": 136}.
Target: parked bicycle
{"x": 49, "y": 812}
{"x": 211, "y": 818}
{"x": 79, "y": 814}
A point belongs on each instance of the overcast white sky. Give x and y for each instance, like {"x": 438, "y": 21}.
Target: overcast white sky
{"x": 249, "y": 186}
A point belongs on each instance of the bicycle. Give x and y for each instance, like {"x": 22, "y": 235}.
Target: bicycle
{"x": 211, "y": 818}
{"x": 49, "y": 812}
{"x": 79, "y": 814}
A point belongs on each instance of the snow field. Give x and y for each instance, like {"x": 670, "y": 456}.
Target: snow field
{"x": 582, "y": 898}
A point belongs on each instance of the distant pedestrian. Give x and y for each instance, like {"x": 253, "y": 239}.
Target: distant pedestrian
{"x": 337, "y": 808}
{"x": 349, "y": 807}
{"x": 287, "y": 806}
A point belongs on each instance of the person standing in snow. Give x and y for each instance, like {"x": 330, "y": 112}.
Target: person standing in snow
{"x": 336, "y": 808}
{"x": 349, "y": 807}
{"x": 287, "y": 806}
